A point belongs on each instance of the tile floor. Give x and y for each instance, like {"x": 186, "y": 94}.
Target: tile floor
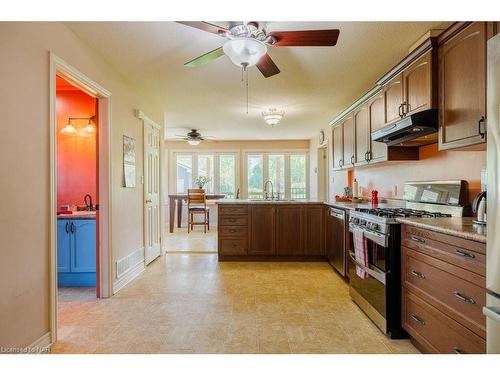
{"x": 190, "y": 303}
{"x": 194, "y": 242}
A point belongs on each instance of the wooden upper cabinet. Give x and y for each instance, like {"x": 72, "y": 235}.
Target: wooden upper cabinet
{"x": 362, "y": 132}
{"x": 261, "y": 229}
{"x": 338, "y": 146}
{"x": 393, "y": 97}
{"x": 462, "y": 88}
{"x": 349, "y": 142}
{"x": 289, "y": 230}
{"x": 418, "y": 85}
{"x": 376, "y": 113}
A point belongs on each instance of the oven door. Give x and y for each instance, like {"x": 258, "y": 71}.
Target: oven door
{"x": 370, "y": 293}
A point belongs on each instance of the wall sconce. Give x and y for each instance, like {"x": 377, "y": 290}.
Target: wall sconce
{"x": 88, "y": 129}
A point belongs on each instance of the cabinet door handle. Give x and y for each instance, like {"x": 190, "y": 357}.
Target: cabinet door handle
{"x": 458, "y": 351}
{"x": 417, "y": 274}
{"x": 465, "y": 254}
{"x": 352, "y": 159}
{"x": 400, "y": 110}
{"x": 418, "y": 319}
{"x": 417, "y": 239}
{"x": 464, "y": 298}
{"x": 73, "y": 227}
{"x": 480, "y": 131}
{"x": 67, "y": 229}
{"x": 340, "y": 163}
{"x": 406, "y": 108}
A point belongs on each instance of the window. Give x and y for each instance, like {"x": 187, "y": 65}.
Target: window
{"x": 276, "y": 173}
{"x": 227, "y": 175}
{"x": 287, "y": 171}
{"x": 206, "y": 168}
{"x": 298, "y": 177}
{"x": 184, "y": 173}
{"x": 219, "y": 167}
{"x": 255, "y": 175}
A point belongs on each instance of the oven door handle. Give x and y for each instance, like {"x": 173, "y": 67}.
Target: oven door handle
{"x": 380, "y": 276}
{"x": 379, "y": 239}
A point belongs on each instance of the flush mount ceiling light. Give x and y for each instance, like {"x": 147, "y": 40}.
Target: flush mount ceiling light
{"x": 244, "y": 52}
{"x": 272, "y": 116}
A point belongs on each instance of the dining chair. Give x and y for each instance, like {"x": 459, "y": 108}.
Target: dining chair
{"x": 197, "y": 205}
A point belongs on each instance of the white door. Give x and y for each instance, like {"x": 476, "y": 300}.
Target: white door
{"x": 152, "y": 246}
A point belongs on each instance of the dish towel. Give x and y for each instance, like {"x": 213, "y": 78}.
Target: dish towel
{"x": 360, "y": 252}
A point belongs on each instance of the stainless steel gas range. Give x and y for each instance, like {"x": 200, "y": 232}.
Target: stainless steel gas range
{"x": 379, "y": 294}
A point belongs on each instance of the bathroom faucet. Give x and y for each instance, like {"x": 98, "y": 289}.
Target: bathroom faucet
{"x": 88, "y": 202}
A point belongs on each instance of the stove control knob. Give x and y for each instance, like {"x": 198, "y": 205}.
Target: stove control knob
{"x": 362, "y": 222}
{"x": 375, "y": 226}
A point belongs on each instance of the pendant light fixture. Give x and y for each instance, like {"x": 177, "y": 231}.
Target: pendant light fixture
{"x": 272, "y": 116}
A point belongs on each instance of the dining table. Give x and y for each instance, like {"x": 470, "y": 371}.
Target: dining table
{"x": 177, "y": 200}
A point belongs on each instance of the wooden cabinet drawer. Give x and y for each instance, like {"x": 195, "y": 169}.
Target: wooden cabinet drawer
{"x": 437, "y": 332}
{"x": 233, "y": 210}
{"x": 457, "y": 292}
{"x": 233, "y": 232}
{"x": 232, "y": 220}
{"x": 236, "y": 246}
{"x": 466, "y": 254}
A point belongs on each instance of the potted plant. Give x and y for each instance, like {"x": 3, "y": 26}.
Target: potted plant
{"x": 201, "y": 181}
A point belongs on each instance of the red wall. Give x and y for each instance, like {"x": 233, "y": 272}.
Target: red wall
{"x": 76, "y": 155}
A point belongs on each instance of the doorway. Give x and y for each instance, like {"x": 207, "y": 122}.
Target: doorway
{"x": 80, "y": 172}
{"x": 323, "y": 187}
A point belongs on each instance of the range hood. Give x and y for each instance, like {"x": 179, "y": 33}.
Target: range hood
{"x": 414, "y": 130}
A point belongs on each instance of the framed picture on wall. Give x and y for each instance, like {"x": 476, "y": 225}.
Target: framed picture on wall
{"x": 129, "y": 161}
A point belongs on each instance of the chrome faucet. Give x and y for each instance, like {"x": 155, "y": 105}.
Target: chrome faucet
{"x": 267, "y": 192}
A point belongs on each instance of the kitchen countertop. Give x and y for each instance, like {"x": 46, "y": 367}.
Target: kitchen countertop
{"x": 353, "y": 205}
{"x": 259, "y": 201}
{"x": 456, "y": 226}
{"x": 78, "y": 215}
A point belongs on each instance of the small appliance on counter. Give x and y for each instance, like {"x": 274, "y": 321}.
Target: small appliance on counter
{"x": 479, "y": 208}
{"x": 379, "y": 294}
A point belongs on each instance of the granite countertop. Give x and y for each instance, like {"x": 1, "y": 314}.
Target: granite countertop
{"x": 261, "y": 201}
{"x": 78, "y": 215}
{"x": 456, "y": 226}
{"x": 354, "y": 205}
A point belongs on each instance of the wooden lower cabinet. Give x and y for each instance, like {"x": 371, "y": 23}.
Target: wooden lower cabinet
{"x": 289, "y": 230}
{"x": 443, "y": 291}
{"x": 272, "y": 231}
{"x": 261, "y": 229}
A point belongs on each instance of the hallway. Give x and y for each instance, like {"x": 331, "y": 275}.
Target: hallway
{"x": 193, "y": 304}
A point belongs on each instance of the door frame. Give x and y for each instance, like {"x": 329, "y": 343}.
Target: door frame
{"x": 324, "y": 170}
{"x": 58, "y": 66}
{"x": 146, "y": 120}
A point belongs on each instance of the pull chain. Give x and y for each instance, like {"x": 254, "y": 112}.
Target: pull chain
{"x": 247, "y": 90}
{"x": 244, "y": 71}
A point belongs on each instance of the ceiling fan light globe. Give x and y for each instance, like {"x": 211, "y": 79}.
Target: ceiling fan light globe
{"x": 194, "y": 142}
{"x": 244, "y": 52}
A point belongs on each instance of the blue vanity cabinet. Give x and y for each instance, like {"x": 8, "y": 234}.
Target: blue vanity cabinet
{"x": 63, "y": 245}
{"x": 76, "y": 252}
{"x": 83, "y": 249}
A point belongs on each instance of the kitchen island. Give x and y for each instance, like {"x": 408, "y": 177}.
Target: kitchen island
{"x": 260, "y": 230}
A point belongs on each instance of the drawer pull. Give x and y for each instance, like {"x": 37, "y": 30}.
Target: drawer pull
{"x": 418, "y": 319}
{"x": 417, "y": 239}
{"x": 465, "y": 254}
{"x": 458, "y": 351}
{"x": 463, "y": 298}
{"x": 418, "y": 274}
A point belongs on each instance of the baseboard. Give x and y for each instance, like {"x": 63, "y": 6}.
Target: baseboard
{"x": 127, "y": 277}
{"x": 41, "y": 345}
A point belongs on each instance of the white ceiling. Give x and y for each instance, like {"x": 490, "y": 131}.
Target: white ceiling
{"x": 314, "y": 85}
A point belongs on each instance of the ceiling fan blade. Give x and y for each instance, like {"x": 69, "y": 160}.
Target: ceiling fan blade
{"x": 205, "y": 26}
{"x": 305, "y": 38}
{"x": 267, "y": 66}
{"x": 206, "y": 58}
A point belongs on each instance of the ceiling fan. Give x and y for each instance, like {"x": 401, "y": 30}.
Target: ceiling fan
{"x": 247, "y": 43}
{"x": 193, "y": 137}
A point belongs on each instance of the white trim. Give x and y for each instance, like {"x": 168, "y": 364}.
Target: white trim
{"x": 127, "y": 277}
{"x": 42, "y": 344}
{"x": 57, "y": 66}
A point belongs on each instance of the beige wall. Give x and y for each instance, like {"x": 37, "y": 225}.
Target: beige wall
{"x": 24, "y": 160}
